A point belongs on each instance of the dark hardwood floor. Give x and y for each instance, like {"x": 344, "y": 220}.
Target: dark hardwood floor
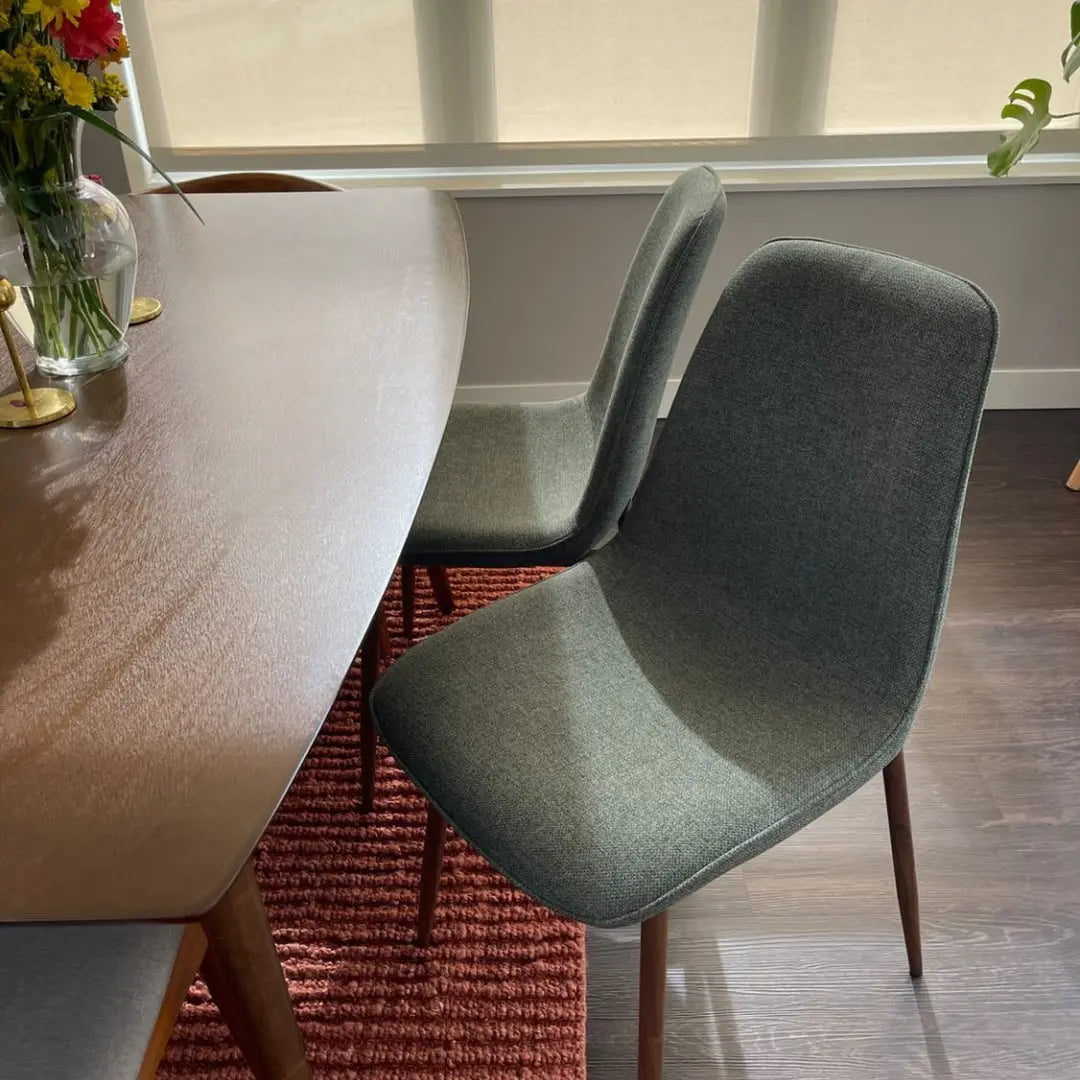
{"x": 793, "y": 965}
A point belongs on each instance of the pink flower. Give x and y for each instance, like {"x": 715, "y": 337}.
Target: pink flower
{"x": 97, "y": 34}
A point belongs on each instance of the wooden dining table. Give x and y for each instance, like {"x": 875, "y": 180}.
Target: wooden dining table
{"x": 191, "y": 559}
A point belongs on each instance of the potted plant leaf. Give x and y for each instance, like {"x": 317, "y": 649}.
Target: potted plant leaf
{"x": 1030, "y": 104}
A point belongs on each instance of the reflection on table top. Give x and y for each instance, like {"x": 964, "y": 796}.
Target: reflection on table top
{"x": 191, "y": 559}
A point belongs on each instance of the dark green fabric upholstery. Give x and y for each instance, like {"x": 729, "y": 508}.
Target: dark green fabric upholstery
{"x": 752, "y": 646}
{"x": 543, "y": 484}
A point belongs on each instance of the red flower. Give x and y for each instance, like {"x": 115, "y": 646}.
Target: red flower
{"x": 98, "y": 32}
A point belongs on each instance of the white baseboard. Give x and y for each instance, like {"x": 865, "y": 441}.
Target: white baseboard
{"x": 1010, "y": 388}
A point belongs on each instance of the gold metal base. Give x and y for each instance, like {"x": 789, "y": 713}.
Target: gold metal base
{"x": 48, "y": 404}
{"x": 144, "y": 308}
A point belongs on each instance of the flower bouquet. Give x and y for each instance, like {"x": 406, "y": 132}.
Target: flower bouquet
{"x": 65, "y": 240}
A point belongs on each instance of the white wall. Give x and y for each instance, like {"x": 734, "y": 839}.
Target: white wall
{"x": 546, "y": 271}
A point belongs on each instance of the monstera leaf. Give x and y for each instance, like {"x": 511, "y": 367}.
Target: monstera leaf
{"x": 1070, "y": 58}
{"x": 1030, "y": 104}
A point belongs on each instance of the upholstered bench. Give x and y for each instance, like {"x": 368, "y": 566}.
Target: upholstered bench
{"x": 84, "y": 1002}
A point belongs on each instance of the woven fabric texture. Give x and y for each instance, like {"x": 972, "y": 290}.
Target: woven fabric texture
{"x": 80, "y": 1002}
{"x": 752, "y": 646}
{"x": 527, "y": 485}
{"x": 500, "y": 993}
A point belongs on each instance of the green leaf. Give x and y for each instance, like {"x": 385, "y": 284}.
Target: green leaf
{"x": 1070, "y": 58}
{"x": 1030, "y": 104}
{"x": 103, "y": 125}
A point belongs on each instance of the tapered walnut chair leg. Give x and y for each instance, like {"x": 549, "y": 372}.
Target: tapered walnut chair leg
{"x": 408, "y": 598}
{"x": 652, "y": 985}
{"x": 903, "y": 855}
{"x": 369, "y": 672}
{"x": 430, "y": 875}
{"x": 440, "y": 586}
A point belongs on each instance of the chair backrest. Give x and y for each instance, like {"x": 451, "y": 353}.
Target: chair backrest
{"x": 623, "y": 397}
{"x": 249, "y": 181}
{"x": 809, "y": 479}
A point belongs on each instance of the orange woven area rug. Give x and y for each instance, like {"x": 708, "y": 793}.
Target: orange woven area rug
{"x": 500, "y": 993}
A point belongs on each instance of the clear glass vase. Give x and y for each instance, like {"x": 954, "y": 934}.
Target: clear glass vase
{"x": 68, "y": 244}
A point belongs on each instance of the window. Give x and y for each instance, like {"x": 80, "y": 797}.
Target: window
{"x": 277, "y": 73}
{"x": 501, "y": 85}
{"x": 940, "y": 65}
{"x": 637, "y": 70}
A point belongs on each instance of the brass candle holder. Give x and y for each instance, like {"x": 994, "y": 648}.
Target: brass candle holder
{"x": 31, "y": 406}
{"x": 144, "y": 309}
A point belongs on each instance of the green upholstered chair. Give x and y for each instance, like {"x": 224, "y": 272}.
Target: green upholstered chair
{"x": 543, "y": 484}
{"x": 753, "y": 645}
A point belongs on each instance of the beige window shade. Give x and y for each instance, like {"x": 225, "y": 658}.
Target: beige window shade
{"x": 284, "y": 73}
{"x": 940, "y": 65}
{"x": 506, "y": 84}
{"x": 567, "y": 70}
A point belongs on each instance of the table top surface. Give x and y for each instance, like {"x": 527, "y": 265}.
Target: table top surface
{"x": 192, "y": 558}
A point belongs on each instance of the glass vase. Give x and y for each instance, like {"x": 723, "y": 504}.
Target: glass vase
{"x": 68, "y": 244}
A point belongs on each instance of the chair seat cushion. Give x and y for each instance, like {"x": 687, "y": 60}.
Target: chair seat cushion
{"x": 505, "y": 486}
{"x": 80, "y": 1002}
{"x": 612, "y": 750}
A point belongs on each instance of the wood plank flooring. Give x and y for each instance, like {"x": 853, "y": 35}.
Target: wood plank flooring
{"x": 793, "y": 965}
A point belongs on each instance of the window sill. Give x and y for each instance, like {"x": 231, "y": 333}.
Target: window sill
{"x": 934, "y": 159}
{"x": 536, "y": 180}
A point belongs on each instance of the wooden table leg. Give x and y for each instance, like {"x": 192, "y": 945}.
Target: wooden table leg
{"x": 244, "y": 975}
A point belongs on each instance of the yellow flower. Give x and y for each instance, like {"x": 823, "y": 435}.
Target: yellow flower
{"x": 55, "y": 11}
{"x": 74, "y": 85}
{"x": 121, "y": 52}
{"x": 111, "y": 86}
{"x": 36, "y": 51}
{"x": 20, "y": 71}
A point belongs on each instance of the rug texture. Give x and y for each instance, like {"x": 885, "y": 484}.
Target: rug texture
{"x": 499, "y": 994}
